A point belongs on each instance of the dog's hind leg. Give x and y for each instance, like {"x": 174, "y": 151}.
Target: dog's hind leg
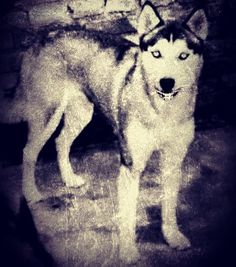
{"x": 140, "y": 147}
{"x": 30, "y": 155}
{"x": 38, "y": 135}
{"x": 77, "y": 115}
{"x": 37, "y": 138}
{"x": 172, "y": 156}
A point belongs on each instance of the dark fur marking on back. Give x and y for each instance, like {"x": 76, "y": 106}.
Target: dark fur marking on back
{"x": 121, "y": 51}
{"x": 106, "y": 40}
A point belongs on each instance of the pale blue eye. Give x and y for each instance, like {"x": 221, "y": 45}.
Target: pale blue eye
{"x": 156, "y": 54}
{"x": 183, "y": 56}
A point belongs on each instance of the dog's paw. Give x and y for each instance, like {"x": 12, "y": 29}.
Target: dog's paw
{"x": 176, "y": 239}
{"x": 129, "y": 255}
{"x": 74, "y": 181}
{"x": 32, "y": 196}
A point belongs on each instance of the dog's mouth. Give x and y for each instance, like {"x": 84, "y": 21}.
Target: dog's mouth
{"x": 168, "y": 96}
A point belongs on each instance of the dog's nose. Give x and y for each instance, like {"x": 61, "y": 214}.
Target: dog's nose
{"x": 167, "y": 84}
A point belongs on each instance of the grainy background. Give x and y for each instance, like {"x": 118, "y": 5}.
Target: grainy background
{"x": 207, "y": 205}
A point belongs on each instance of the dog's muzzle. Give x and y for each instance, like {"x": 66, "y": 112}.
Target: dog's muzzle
{"x": 168, "y": 96}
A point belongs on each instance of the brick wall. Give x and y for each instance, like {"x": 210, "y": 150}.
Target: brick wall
{"x": 22, "y": 21}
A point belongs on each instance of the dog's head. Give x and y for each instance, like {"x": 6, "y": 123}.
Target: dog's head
{"x": 171, "y": 51}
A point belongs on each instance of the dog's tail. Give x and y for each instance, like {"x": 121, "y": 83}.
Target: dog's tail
{"x": 14, "y": 110}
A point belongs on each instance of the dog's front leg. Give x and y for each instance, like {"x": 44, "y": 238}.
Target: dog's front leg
{"x": 140, "y": 147}
{"x": 128, "y": 187}
{"x": 171, "y": 160}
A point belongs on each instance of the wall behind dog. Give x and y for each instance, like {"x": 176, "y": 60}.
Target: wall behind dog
{"x": 24, "y": 20}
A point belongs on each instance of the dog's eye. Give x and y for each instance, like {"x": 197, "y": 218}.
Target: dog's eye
{"x": 156, "y": 54}
{"x": 183, "y": 56}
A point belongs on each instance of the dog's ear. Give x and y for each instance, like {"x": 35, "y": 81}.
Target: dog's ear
{"x": 197, "y": 23}
{"x": 132, "y": 38}
{"x": 148, "y": 19}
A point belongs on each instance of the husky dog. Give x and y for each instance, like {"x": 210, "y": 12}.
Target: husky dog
{"x": 148, "y": 95}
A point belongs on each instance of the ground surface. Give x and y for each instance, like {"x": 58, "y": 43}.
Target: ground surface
{"x": 78, "y": 228}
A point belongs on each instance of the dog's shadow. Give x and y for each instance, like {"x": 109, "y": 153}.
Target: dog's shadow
{"x": 152, "y": 232}
{"x": 195, "y": 201}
